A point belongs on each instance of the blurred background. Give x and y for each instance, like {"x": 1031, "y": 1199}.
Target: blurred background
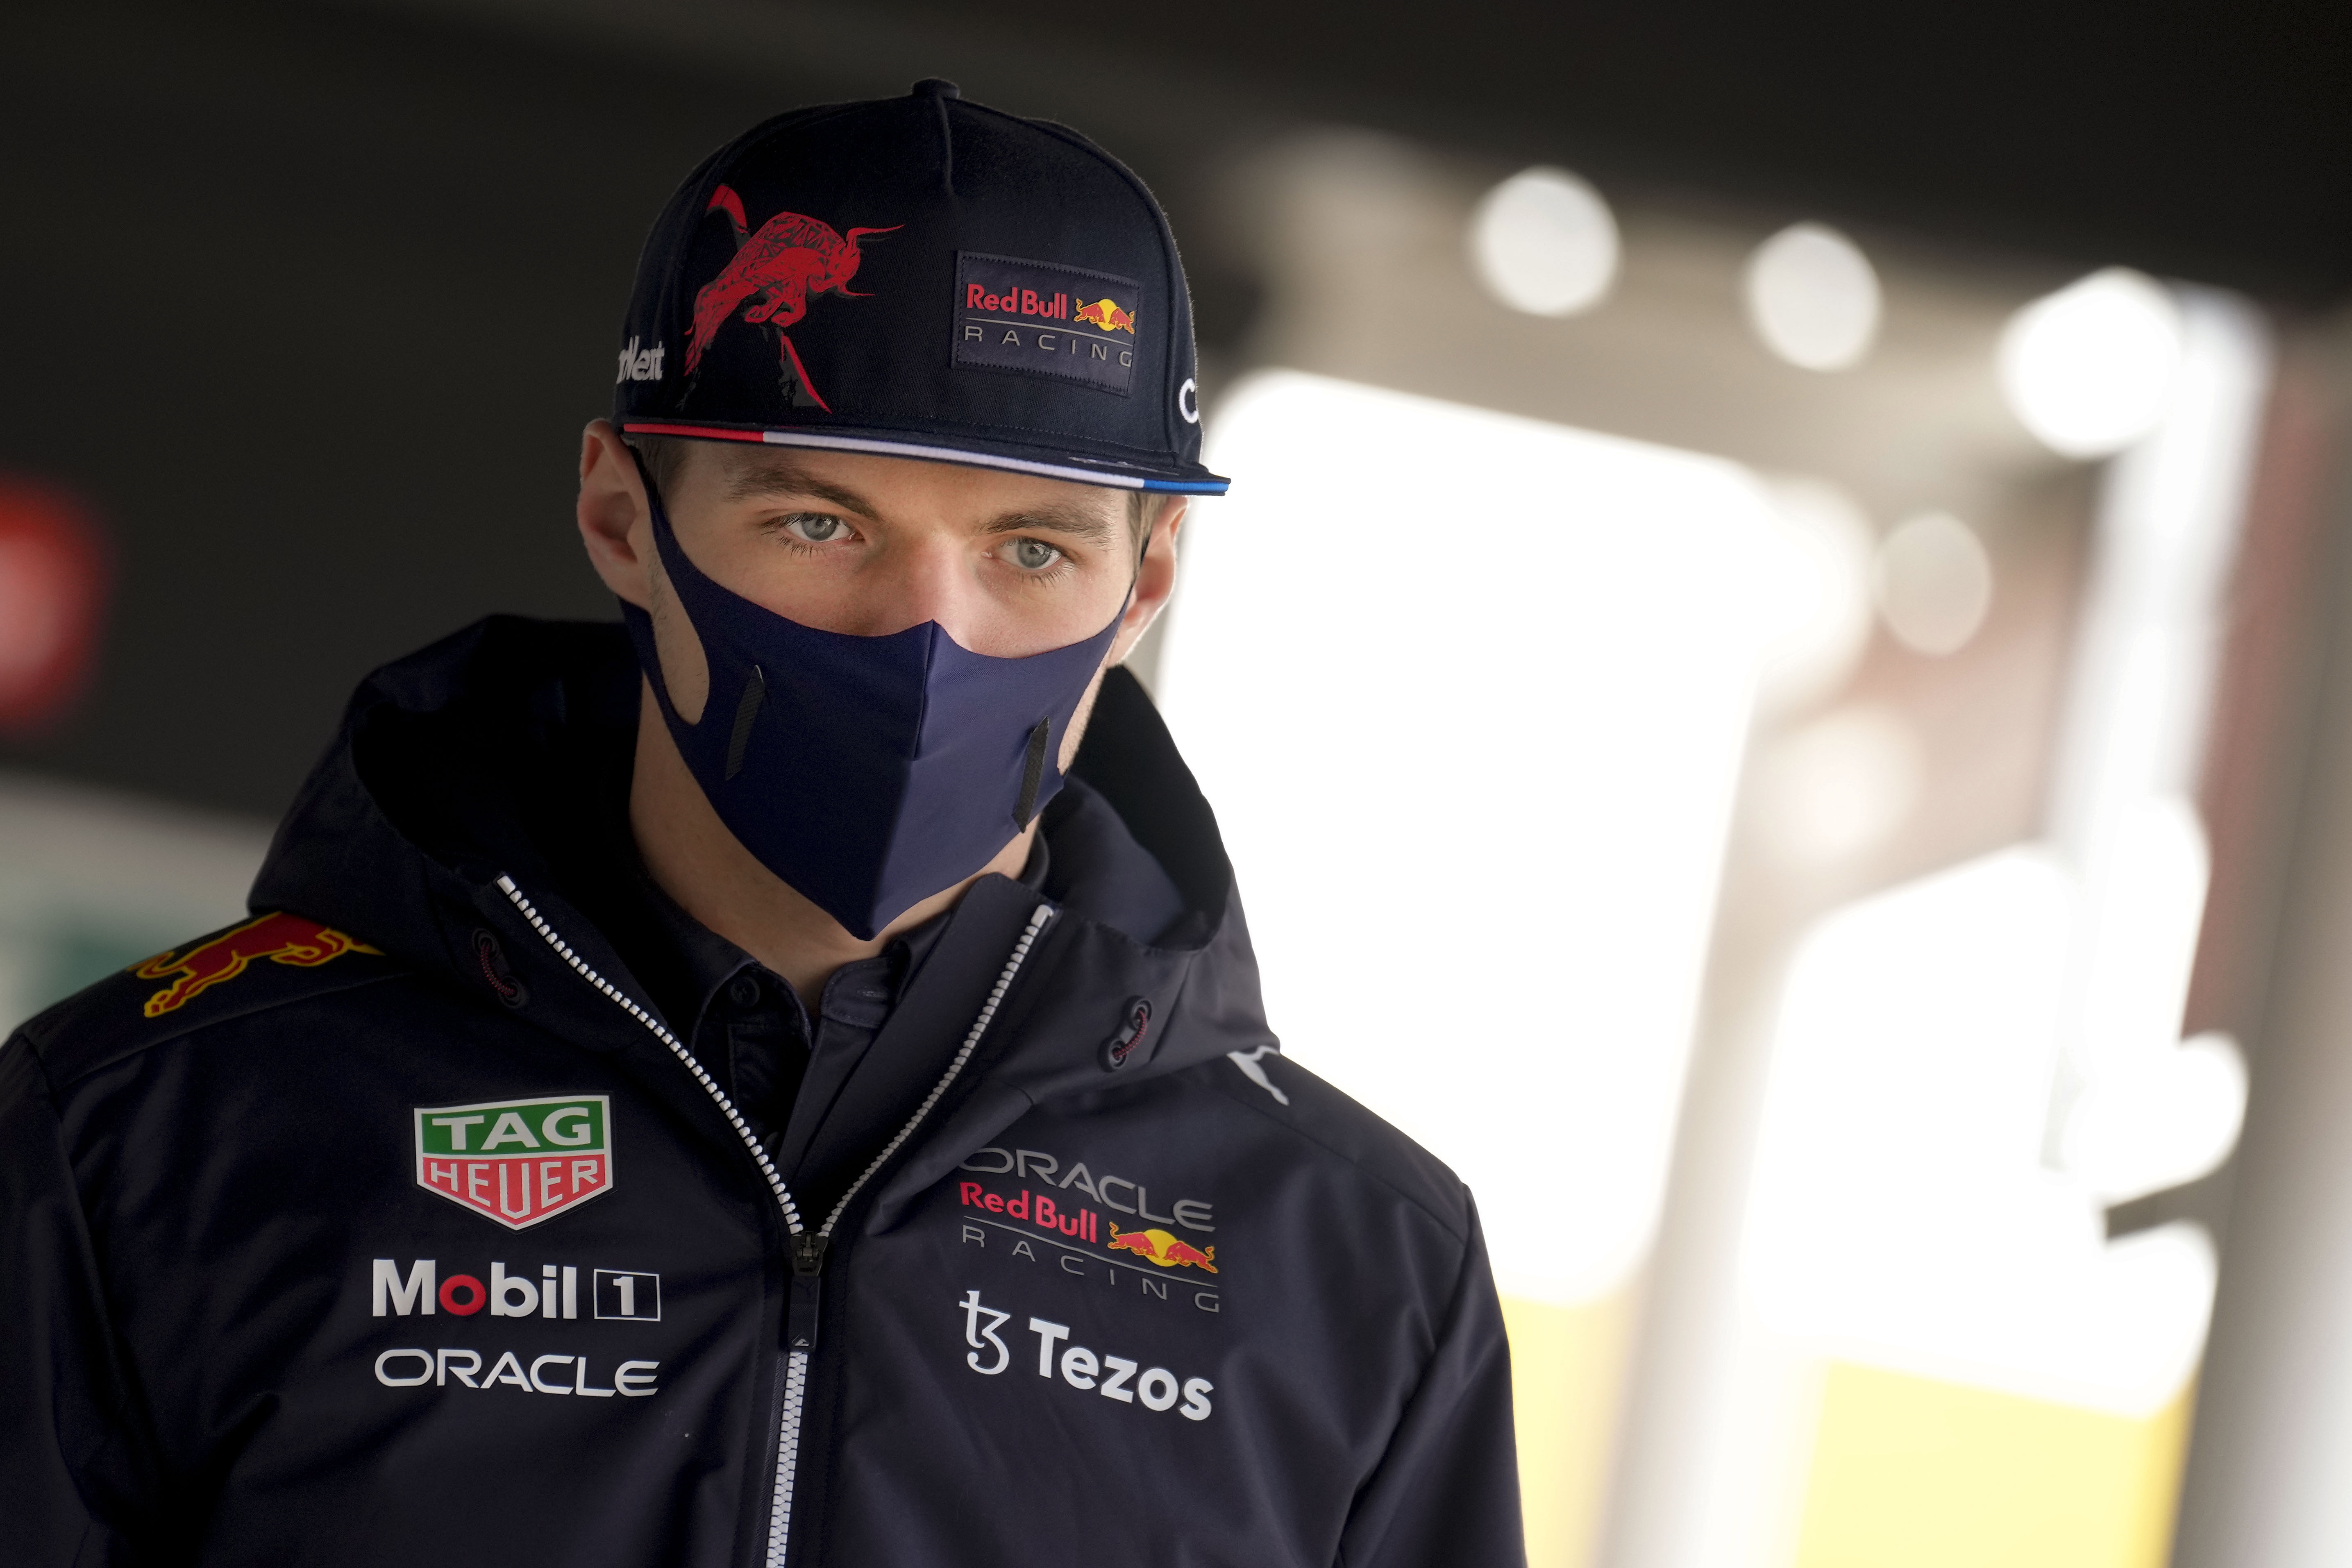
{"x": 1802, "y": 550}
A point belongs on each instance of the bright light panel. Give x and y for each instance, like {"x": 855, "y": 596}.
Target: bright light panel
{"x": 1901, "y": 1211}
{"x": 1545, "y": 242}
{"x": 1469, "y": 693}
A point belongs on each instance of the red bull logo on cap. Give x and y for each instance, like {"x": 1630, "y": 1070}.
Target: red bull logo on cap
{"x": 1106, "y": 314}
{"x": 1036, "y": 317}
{"x": 278, "y": 937}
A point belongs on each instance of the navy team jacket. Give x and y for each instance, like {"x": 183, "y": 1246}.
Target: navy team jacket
{"x": 396, "y": 1226}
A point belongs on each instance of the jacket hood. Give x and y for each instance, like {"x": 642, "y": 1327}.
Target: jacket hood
{"x": 500, "y": 757}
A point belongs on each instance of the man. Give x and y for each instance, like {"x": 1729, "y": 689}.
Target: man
{"x": 787, "y": 1084}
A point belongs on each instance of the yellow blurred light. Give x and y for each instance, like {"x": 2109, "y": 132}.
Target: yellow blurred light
{"x": 1934, "y": 1475}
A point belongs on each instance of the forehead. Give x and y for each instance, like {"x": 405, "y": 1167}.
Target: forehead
{"x": 886, "y": 484}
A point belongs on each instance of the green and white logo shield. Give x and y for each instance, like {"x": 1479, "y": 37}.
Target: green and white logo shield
{"x": 517, "y": 1160}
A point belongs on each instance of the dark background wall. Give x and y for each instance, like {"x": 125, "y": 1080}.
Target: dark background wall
{"x": 310, "y": 301}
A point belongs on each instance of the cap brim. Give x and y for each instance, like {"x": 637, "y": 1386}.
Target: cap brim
{"x": 1073, "y": 467}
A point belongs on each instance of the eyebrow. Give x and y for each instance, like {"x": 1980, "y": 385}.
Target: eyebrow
{"x": 1077, "y": 522}
{"x": 781, "y": 477}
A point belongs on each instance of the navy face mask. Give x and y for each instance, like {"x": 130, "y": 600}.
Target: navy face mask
{"x": 868, "y": 773}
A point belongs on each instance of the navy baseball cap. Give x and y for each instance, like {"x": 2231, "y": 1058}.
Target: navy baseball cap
{"x": 922, "y": 278}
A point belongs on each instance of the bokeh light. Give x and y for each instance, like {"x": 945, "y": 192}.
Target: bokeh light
{"x": 2089, "y": 369}
{"x": 1934, "y": 582}
{"x": 1813, "y": 297}
{"x": 1546, "y": 243}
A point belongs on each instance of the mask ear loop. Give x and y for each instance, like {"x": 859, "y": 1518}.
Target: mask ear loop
{"x": 1032, "y": 770}
{"x": 1142, "y": 550}
{"x": 644, "y": 474}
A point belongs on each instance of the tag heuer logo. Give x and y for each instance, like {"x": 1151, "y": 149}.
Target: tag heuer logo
{"x": 517, "y": 1160}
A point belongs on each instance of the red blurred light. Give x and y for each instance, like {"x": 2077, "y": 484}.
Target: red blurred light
{"x": 53, "y": 580}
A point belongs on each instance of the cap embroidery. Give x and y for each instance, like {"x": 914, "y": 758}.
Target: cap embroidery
{"x": 792, "y": 257}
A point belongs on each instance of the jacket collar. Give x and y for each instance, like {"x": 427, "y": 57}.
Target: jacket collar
{"x": 486, "y": 757}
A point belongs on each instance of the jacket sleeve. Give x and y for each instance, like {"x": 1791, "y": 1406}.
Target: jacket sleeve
{"x": 1446, "y": 1494}
{"x": 69, "y": 1467}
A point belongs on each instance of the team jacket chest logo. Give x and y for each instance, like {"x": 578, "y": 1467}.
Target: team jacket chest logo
{"x": 279, "y": 938}
{"x": 517, "y": 1160}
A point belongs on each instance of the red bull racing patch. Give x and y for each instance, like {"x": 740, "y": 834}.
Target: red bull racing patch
{"x": 278, "y": 937}
{"x": 1045, "y": 318}
{"x": 517, "y": 1160}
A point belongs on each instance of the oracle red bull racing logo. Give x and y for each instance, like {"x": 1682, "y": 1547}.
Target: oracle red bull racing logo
{"x": 519, "y": 1162}
{"x": 776, "y": 271}
{"x": 1046, "y": 318}
{"x": 277, "y": 937}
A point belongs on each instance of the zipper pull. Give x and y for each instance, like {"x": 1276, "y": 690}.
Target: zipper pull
{"x": 807, "y": 1290}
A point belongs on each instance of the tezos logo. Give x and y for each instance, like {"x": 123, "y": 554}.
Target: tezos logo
{"x": 1081, "y": 1368}
{"x": 517, "y": 1160}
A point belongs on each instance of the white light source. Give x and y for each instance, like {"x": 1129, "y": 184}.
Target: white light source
{"x": 1934, "y": 582}
{"x": 1813, "y": 297}
{"x": 1900, "y": 1212}
{"x": 1486, "y": 683}
{"x": 2089, "y": 369}
{"x": 1544, "y": 241}
{"x": 1820, "y": 614}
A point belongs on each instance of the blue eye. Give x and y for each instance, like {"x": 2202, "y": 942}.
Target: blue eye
{"x": 1033, "y": 554}
{"x": 815, "y": 527}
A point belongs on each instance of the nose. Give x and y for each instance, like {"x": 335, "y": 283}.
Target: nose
{"x": 915, "y": 581}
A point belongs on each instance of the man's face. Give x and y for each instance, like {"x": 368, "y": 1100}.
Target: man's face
{"x": 1008, "y": 564}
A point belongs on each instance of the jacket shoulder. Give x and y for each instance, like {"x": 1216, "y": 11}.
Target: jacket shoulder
{"x": 1275, "y": 1087}
{"x": 264, "y": 962}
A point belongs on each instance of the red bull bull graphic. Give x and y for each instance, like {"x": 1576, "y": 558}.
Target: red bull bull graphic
{"x": 1106, "y": 314}
{"x": 278, "y": 937}
{"x": 777, "y": 270}
{"x": 518, "y": 1162}
{"x": 1159, "y": 1246}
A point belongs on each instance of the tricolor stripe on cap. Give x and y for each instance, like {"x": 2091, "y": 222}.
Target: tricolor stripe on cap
{"x": 837, "y": 441}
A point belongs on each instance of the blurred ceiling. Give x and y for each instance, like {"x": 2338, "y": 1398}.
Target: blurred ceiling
{"x": 311, "y": 298}
{"x": 2208, "y": 140}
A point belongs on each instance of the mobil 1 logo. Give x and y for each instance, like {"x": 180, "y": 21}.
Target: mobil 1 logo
{"x": 628, "y": 1295}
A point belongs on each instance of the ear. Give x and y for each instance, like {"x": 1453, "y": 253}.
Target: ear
{"x": 615, "y": 523}
{"x": 1155, "y": 580}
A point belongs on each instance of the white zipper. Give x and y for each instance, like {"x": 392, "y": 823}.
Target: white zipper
{"x": 796, "y": 1362}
